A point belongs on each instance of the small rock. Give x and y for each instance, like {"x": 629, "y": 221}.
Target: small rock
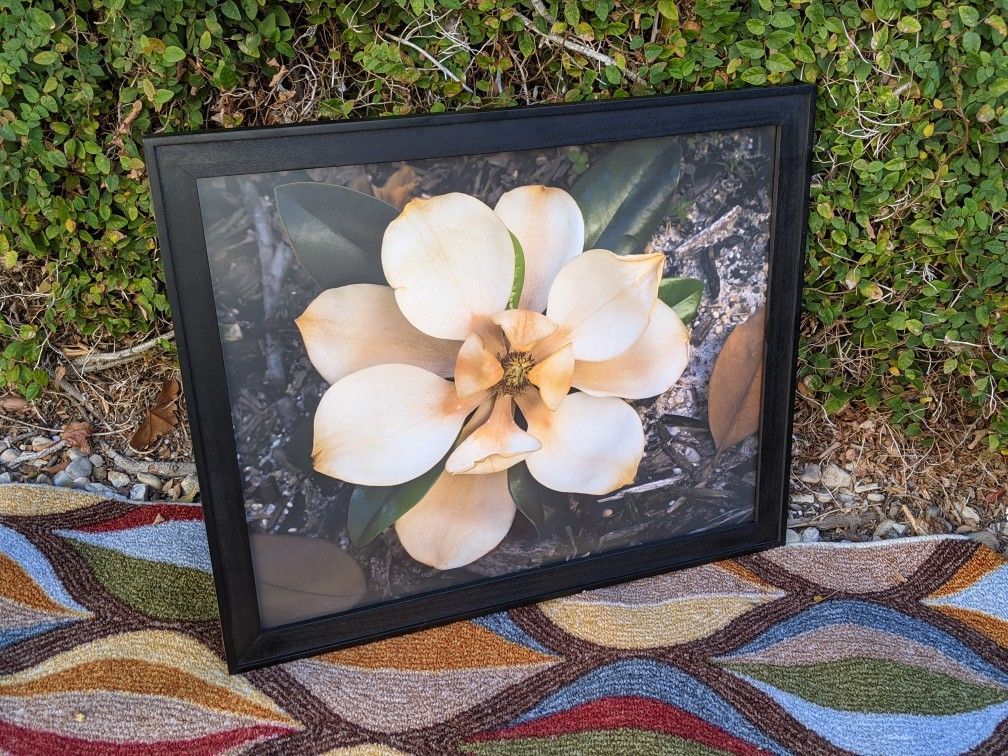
{"x": 846, "y": 499}
{"x": 6, "y": 478}
{"x": 889, "y": 526}
{"x": 175, "y": 493}
{"x": 138, "y": 492}
{"x": 151, "y": 480}
{"x": 810, "y": 535}
{"x": 62, "y": 479}
{"x": 97, "y": 460}
{"x": 876, "y": 497}
{"x": 118, "y": 479}
{"x": 80, "y": 467}
{"x": 970, "y": 516}
{"x": 40, "y": 443}
{"x": 190, "y": 485}
{"x": 987, "y": 538}
{"x": 802, "y": 498}
{"x": 81, "y": 481}
{"x": 43, "y": 479}
{"x": 98, "y": 488}
{"x": 99, "y": 473}
{"x": 836, "y": 477}
{"x": 9, "y": 455}
{"x": 866, "y": 487}
{"x": 74, "y": 453}
{"x": 823, "y": 498}
{"x": 811, "y": 474}
{"x": 792, "y": 536}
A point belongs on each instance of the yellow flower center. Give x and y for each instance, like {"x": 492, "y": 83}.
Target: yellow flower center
{"x": 516, "y": 369}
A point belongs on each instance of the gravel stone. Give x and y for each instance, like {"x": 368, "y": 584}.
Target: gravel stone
{"x": 876, "y": 497}
{"x": 151, "y": 480}
{"x": 792, "y": 536}
{"x": 811, "y": 474}
{"x": 836, "y": 477}
{"x": 97, "y": 460}
{"x": 40, "y": 443}
{"x": 138, "y": 492}
{"x": 987, "y": 539}
{"x": 5, "y": 478}
{"x": 9, "y": 455}
{"x": 810, "y": 535}
{"x": 43, "y": 479}
{"x": 98, "y": 488}
{"x": 822, "y": 497}
{"x": 866, "y": 487}
{"x": 62, "y": 479}
{"x": 970, "y": 516}
{"x": 802, "y": 498}
{"x": 190, "y": 485}
{"x": 99, "y": 473}
{"x": 118, "y": 479}
{"x": 74, "y": 453}
{"x": 80, "y": 467}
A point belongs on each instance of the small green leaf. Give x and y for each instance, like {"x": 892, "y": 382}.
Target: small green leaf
{"x": 173, "y": 54}
{"x": 519, "y": 274}
{"x": 335, "y": 232}
{"x": 909, "y": 25}
{"x": 779, "y": 63}
{"x": 971, "y": 42}
{"x": 531, "y": 497}
{"x": 625, "y": 194}
{"x": 968, "y": 15}
{"x": 374, "y": 508}
{"x": 46, "y": 58}
{"x": 682, "y": 295}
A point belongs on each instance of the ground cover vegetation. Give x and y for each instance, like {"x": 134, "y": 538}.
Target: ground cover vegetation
{"x": 907, "y": 277}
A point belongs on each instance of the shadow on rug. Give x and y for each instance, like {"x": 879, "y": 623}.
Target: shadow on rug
{"x": 109, "y": 643}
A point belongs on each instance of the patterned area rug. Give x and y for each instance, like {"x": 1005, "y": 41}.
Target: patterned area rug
{"x": 109, "y": 645}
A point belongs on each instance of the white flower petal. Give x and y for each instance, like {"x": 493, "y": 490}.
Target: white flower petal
{"x": 460, "y": 519}
{"x": 550, "y": 228}
{"x": 451, "y": 262}
{"x": 591, "y": 445}
{"x": 495, "y": 445}
{"x": 387, "y": 424}
{"x": 357, "y": 326}
{"x": 648, "y": 368}
{"x": 476, "y": 369}
{"x": 553, "y": 376}
{"x": 524, "y": 328}
{"x": 602, "y": 301}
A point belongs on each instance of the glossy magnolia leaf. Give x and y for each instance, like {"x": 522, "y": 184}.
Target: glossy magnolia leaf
{"x": 625, "y": 194}
{"x": 300, "y": 578}
{"x": 335, "y": 232}
{"x": 682, "y": 295}
{"x": 736, "y": 384}
{"x": 532, "y": 497}
{"x": 519, "y": 274}
{"x": 374, "y": 508}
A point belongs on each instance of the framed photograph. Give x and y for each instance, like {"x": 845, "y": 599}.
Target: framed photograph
{"x": 440, "y": 366}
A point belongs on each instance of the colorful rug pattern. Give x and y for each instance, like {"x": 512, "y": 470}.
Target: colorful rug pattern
{"x": 109, "y": 644}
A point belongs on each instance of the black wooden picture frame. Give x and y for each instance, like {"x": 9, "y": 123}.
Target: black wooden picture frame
{"x": 176, "y": 162}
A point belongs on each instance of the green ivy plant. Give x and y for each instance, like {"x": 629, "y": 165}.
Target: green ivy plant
{"x": 908, "y": 253}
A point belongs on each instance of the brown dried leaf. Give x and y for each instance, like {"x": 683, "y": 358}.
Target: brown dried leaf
{"x": 400, "y": 187}
{"x": 78, "y": 435}
{"x": 736, "y": 384}
{"x": 161, "y": 419}
{"x": 13, "y": 403}
{"x": 300, "y": 578}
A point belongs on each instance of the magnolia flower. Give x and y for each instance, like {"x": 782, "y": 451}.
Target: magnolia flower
{"x": 590, "y": 321}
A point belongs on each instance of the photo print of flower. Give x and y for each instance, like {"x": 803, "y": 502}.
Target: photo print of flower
{"x": 452, "y": 369}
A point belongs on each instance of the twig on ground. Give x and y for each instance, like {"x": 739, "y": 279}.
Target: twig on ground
{"x": 95, "y": 361}
{"x": 164, "y": 469}
{"x": 29, "y": 456}
{"x": 568, "y": 44}
{"x": 440, "y": 66}
{"x": 715, "y": 233}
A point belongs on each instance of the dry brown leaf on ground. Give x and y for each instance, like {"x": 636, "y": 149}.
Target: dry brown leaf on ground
{"x": 736, "y": 383}
{"x": 78, "y": 435}
{"x": 399, "y": 188}
{"x": 13, "y": 403}
{"x": 162, "y": 418}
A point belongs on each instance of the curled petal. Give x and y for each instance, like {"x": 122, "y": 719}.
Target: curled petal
{"x": 387, "y": 424}
{"x": 553, "y": 376}
{"x": 550, "y": 228}
{"x": 648, "y": 368}
{"x": 602, "y": 302}
{"x": 591, "y": 444}
{"x": 495, "y": 445}
{"x": 460, "y": 519}
{"x": 451, "y": 262}
{"x": 357, "y": 326}
{"x": 476, "y": 369}
{"x": 524, "y": 328}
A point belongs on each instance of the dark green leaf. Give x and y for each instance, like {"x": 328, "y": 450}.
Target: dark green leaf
{"x": 335, "y": 232}
{"x": 625, "y": 194}
{"x": 531, "y": 497}
{"x": 374, "y": 508}
{"x": 682, "y": 295}
{"x": 519, "y": 274}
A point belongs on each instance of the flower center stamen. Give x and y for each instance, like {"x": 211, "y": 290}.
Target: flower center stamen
{"x": 516, "y": 369}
